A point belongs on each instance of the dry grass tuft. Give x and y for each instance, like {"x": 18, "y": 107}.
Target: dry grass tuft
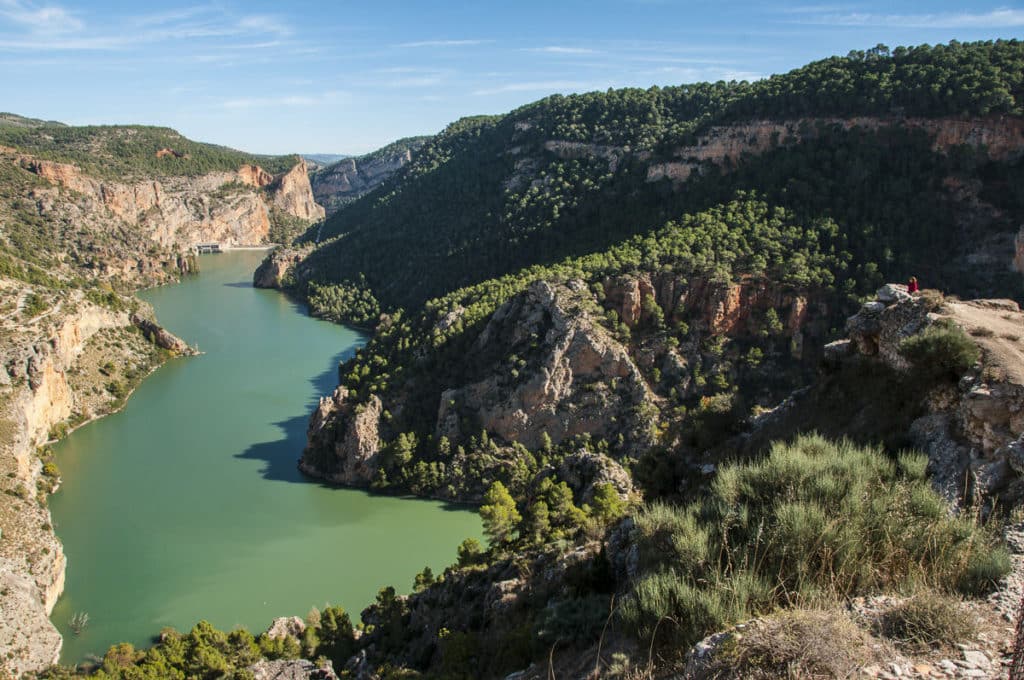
{"x": 795, "y": 644}
{"x": 928, "y": 620}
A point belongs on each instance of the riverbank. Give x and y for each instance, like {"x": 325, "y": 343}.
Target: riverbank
{"x": 177, "y": 508}
{"x": 60, "y": 370}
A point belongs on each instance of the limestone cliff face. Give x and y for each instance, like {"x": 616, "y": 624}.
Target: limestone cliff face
{"x": 735, "y": 308}
{"x": 32, "y": 561}
{"x": 575, "y": 379}
{"x": 546, "y": 366}
{"x": 293, "y": 193}
{"x": 231, "y": 208}
{"x": 580, "y": 381}
{"x": 347, "y": 439}
{"x": 348, "y": 179}
{"x": 1001, "y": 137}
{"x": 35, "y": 374}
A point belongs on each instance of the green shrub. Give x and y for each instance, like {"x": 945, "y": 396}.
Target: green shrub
{"x": 573, "y": 620}
{"x": 941, "y": 349}
{"x": 813, "y": 520}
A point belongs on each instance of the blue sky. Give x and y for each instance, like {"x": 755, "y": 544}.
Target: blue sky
{"x": 349, "y": 76}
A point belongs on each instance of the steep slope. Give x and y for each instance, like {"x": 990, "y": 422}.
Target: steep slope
{"x": 345, "y": 180}
{"x": 657, "y": 342}
{"x": 857, "y": 139}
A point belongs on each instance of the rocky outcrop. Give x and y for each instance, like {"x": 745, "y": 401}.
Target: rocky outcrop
{"x": 298, "y": 669}
{"x": 161, "y": 337}
{"x": 343, "y": 440}
{"x": 585, "y": 471}
{"x": 231, "y": 208}
{"x": 274, "y": 268}
{"x": 348, "y": 179}
{"x": 734, "y": 308}
{"x": 292, "y": 193}
{"x": 286, "y": 626}
{"x": 580, "y": 380}
{"x": 973, "y": 431}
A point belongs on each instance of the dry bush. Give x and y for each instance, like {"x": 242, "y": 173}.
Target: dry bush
{"x": 795, "y": 644}
{"x": 928, "y": 620}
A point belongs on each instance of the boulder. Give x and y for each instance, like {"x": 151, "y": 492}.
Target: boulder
{"x": 285, "y": 626}
{"x": 892, "y": 292}
{"x": 297, "y": 669}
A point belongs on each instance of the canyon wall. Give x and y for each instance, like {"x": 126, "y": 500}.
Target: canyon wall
{"x": 230, "y": 208}
{"x": 348, "y": 179}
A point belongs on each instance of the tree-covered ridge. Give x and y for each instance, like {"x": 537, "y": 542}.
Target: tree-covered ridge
{"x": 491, "y": 195}
{"x": 130, "y": 151}
{"x": 412, "y": 357}
{"x": 13, "y": 119}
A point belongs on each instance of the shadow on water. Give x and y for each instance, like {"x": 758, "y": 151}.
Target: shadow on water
{"x": 239, "y": 284}
{"x": 280, "y": 457}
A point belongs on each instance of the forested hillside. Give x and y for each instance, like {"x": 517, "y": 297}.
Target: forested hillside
{"x": 126, "y": 152}
{"x": 571, "y": 175}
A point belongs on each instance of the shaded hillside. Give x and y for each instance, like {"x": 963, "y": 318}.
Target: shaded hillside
{"x": 880, "y": 142}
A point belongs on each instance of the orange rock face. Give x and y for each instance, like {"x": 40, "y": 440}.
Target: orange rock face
{"x": 254, "y": 176}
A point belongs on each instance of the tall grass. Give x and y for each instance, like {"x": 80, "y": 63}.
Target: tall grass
{"x": 814, "y": 520}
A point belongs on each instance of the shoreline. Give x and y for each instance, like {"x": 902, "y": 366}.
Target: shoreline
{"x": 32, "y": 587}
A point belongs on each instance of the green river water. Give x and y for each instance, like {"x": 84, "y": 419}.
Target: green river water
{"x": 187, "y": 505}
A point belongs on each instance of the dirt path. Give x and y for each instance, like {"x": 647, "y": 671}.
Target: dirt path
{"x": 998, "y": 326}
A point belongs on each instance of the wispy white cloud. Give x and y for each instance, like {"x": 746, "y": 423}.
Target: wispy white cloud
{"x": 997, "y": 18}
{"x": 560, "y": 49}
{"x": 537, "y": 86}
{"x": 45, "y": 20}
{"x": 174, "y": 16}
{"x": 53, "y": 28}
{"x": 283, "y": 101}
{"x": 265, "y": 24}
{"x": 443, "y": 43}
{"x": 412, "y": 81}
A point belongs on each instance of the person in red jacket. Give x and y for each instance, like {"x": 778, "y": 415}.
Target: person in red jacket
{"x": 912, "y": 285}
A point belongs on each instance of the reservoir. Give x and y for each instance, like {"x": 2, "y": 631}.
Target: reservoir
{"x": 187, "y": 505}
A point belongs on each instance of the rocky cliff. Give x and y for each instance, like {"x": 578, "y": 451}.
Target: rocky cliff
{"x": 547, "y": 368}
{"x": 231, "y": 208}
{"x": 348, "y": 179}
{"x": 1001, "y": 138}
{"x": 972, "y": 431}
{"x": 37, "y": 393}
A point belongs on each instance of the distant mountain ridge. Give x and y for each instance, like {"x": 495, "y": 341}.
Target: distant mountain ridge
{"x": 321, "y": 160}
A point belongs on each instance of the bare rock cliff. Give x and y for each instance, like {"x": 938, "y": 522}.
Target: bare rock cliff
{"x": 231, "y": 208}
{"x": 293, "y": 193}
{"x": 274, "y": 268}
{"x": 32, "y": 560}
{"x": 347, "y": 180}
{"x": 38, "y": 362}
